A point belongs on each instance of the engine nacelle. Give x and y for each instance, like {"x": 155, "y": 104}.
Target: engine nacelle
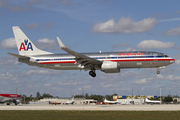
{"x": 16, "y": 101}
{"x": 110, "y": 67}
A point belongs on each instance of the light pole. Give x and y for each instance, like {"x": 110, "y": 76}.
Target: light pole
{"x": 160, "y": 96}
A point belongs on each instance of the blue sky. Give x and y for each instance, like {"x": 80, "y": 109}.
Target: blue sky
{"x": 90, "y": 26}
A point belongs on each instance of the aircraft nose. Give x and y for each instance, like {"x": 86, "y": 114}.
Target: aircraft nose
{"x": 172, "y": 60}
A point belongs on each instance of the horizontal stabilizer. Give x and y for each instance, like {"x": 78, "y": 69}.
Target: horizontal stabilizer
{"x": 18, "y": 56}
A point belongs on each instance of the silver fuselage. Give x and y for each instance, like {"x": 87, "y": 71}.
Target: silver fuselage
{"x": 129, "y": 59}
{"x": 9, "y": 98}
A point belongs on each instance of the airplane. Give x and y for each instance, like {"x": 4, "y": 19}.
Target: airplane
{"x": 68, "y": 102}
{"x": 107, "y": 62}
{"x": 110, "y": 102}
{"x": 10, "y": 98}
{"x": 152, "y": 101}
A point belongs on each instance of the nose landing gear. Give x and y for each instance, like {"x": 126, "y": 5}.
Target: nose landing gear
{"x": 158, "y": 72}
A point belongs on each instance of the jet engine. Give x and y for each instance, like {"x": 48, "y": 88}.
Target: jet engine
{"x": 16, "y": 101}
{"x": 110, "y": 67}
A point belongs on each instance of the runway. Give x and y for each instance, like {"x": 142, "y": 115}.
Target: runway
{"x": 171, "y": 107}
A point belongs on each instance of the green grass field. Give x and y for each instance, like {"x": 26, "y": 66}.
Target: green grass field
{"x": 89, "y": 115}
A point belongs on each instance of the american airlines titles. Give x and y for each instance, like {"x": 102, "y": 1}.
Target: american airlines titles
{"x": 131, "y": 54}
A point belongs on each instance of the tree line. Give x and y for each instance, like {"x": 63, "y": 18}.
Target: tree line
{"x": 99, "y": 98}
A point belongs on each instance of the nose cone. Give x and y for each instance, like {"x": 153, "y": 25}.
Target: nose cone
{"x": 172, "y": 60}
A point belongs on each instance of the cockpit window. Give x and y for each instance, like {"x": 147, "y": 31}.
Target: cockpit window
{"x": 164, "y": 55}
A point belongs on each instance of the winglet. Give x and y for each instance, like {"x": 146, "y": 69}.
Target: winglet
{"x": 60, "y": 43}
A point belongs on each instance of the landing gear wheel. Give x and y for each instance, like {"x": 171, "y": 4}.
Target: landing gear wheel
{"x": 158, "y": 72}
{"x": 92, "y": 73}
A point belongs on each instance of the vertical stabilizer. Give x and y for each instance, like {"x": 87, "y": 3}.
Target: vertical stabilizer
{"x": 24, "y": 44}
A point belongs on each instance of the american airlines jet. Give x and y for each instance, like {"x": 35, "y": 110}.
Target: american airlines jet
{"x": 110, "y": 102}
{"x": 108, "y": 62}
{"x": 10, "y": 98}
{"x": 152, "y": 101}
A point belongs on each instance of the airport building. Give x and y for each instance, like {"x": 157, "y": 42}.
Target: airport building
{"x": 177, "y": 99}
{"x": 133, "y": 97}
{"x": 131, "y": 101}
{"x": 69, "y": 100}
{"x": 126, "y": 100}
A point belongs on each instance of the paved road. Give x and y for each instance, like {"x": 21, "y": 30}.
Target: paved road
{"x": 94, "y": 107}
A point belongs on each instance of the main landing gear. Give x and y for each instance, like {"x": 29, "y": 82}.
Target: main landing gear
{"x": 92, "y": 73}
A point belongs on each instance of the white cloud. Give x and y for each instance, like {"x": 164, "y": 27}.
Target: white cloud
{"x": 108, "y": 85}
{"x": 42, "y": 72}
{"x": 160, "y": 77}
{"x": 155, "y": 44}
{"x": 168, "y": 20}
{"x": 142, "y": 81}
{"x": 8, "y": 62}
{"x": 45, "y": 26}
{"x": 171, "y": 77}
{"x": 125, "y": 25}
{"x": 173, "y": 31}
{"x": 69, "y": 83}
{"x": 9, "y": 43}
{"x": 32, "y": 25}
{"x": 47, "y": 85}
{"x": 7, "y": 76}
{"x": 23, "y": 7}
{"x": 45, "y": 43}
{"x": 87, "y": 87}
{"x": 177, "y": 62}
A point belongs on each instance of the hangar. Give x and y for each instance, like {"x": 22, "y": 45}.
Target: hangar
{"x": 64, "y": 101}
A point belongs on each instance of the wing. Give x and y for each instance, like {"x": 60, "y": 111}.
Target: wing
{"x": 80, "y": 58}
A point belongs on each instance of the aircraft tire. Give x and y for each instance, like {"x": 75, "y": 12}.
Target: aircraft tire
{"x": 94, "y": 74}
{"x": 91, "y": 73}
{"x": 158, "y": 72}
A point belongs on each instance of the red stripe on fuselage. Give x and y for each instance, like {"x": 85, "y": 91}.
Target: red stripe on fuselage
{"x": 118, "y": 60}
{"x": 10, "y": 95}
{"x": 144, "y": 59}
{"x": 59, "y": 62}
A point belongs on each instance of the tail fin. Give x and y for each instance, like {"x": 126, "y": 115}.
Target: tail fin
{"x": 24, "y": 44}
{"x": 73, "y": 98}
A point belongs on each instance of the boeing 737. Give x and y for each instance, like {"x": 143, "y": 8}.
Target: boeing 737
{"x": 110, "y": 102}
{"x": 68, "y": 102}
{"x": 108, "y": 62}
{"x": 152, "y": 101}
{"x": 10, "y": 98}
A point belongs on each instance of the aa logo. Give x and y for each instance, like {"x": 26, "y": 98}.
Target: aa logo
{"x": 26, "y": 46}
